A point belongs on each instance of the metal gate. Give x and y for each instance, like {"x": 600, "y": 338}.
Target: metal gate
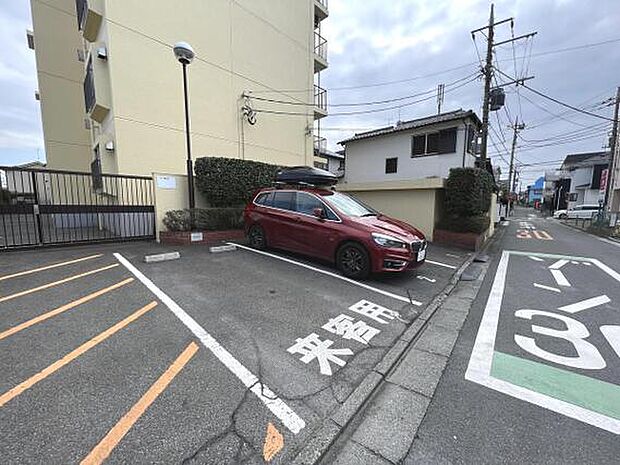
{"x": 41, "y": 207}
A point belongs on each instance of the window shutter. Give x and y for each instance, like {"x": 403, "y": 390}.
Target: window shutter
{"x": 432, "y": 143}
{"x": 418, "y": 145}
{"x": 447, "y": 140}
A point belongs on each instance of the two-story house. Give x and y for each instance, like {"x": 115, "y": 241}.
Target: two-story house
{"x": 584, "y": 171}
{"x": 401, "y": 169}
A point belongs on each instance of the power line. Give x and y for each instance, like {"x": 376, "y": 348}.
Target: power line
{"x": 363, "y": 112}
{"x": 354, "y": 104}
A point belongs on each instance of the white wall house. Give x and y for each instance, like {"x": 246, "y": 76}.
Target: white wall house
{"x": 400, "y": 170}
{"x": 584, "y": 171}
{"x": 410, "y": 150}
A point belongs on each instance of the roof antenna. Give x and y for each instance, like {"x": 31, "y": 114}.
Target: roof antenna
{"x": 398, "y": 122}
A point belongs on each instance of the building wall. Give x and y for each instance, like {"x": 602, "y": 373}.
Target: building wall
{"x": 60, "y": 76}
{"x": 366, "y": 157}
{"x": 241, "y": 45}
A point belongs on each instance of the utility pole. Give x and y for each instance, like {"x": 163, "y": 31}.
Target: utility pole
{"x": 440, "y": 93}
{"x": 614, "y": 155}
{"x": 488, "y": 73}
{"x": 511, "y": 172}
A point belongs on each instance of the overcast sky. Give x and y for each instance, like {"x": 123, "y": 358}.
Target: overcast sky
{"x": 422, "y": 41}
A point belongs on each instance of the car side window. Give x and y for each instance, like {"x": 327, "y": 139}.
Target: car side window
{"x": 265, "y": 199}
{"x": 306, "y": 203}
{"x": 283, "y": 200}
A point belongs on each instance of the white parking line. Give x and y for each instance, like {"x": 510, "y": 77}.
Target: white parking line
{"x": 277, "y": 406}
{"x": 585, "y": 304}
{"x": 333, "y": 275}
{"x": 547, "y": 288}
{"x": 452, "y": 267}
{"x": 536, "y": 259}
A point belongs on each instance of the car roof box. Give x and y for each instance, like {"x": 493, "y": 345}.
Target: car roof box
{"x": 306, "y": 175}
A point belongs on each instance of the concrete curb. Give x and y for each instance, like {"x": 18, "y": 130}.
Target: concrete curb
{"x": 333, "y": 426}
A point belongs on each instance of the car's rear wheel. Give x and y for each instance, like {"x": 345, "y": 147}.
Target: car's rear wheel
{"x": 256, "y": 237}
{"x": 353, "y": 260}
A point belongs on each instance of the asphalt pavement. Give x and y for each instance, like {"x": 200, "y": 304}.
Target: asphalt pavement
{"x": 535, "y": 373}
{"x": 234, "y": 357}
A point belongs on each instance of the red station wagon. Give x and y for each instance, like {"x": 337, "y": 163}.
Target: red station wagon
{"x": 335, "y": 227}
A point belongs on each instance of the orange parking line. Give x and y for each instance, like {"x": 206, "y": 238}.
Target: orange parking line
{"x": 49, "y": 267}
{"x": 118, "y": 431}
{"x": 17, "y": 390}
{"x": 59, "y": 310}
{"x": 56, "y": 283}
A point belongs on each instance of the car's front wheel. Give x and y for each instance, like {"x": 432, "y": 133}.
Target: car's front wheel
{"x": 353, "y": 260}
{"x": 563, "y": 216}
{"x": 256, "y": 237}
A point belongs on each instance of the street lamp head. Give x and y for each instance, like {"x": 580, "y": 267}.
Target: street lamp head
{"x": 183, "y": 52}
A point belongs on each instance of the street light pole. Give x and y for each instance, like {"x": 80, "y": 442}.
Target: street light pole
{"x": 185, "y": 54}
{"x": 188, "y": 143}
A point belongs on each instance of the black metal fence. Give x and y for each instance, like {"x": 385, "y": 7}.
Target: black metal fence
{"x": 46, "y": 207}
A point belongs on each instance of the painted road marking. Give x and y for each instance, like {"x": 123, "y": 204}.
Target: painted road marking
{"x": 559, "y": 264}
{"x": 547, "y": 288}
{"x": 542, "y": 235}
{"x": 560, "y": 278}
{"x": 118, "y": 431}
{"x": 537, "y": 234}
{"x": 17, "y": 390}
{"x": 424, "y": 278}
{"x": 56, "y": 283}
{"x": 64, "y": 308}
{"x": 49, "y": 267}
{"x": 608, "y": 241}
{"x": 536, "y": 259}
{"x": 612, "y": 334}
{"x": 452, "y": 255}
{"x": 445, "y": 265}
{"x": 274, "y": 442}
{"x": 593, "y": 401}
{"x": 585, "y": 304}
{"x": 334, "y": 275}
{"x": 276, "y": 405}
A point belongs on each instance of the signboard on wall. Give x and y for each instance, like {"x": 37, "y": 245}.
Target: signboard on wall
{"x": 603, "y": 187}
{"x": 166, "y": 182}
{"x": 4, "y": 184}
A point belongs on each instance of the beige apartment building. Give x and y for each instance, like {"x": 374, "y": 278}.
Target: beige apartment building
{"x": 111, "y": 90}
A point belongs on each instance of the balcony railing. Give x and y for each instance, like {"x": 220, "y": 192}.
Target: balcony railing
{"x": 320, "y": 45}
{"x": 89, "y": 87}
{"x": 81, "y": 7}
{"x": 320, "y": 98}
{"x": 323, "y": 2}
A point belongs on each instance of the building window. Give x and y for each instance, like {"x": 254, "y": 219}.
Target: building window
{"x": 391, "y": 165}
{"x": 434, "y": 143}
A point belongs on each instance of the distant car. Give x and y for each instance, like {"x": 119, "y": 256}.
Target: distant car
{"x": 580, "y": 211}
{"x": 332, "y": 226}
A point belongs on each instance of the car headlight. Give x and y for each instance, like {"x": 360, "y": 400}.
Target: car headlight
{"x": 388, "y": 241}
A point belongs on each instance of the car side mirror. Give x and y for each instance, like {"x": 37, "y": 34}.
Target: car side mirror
{"x": 319, "y": 213}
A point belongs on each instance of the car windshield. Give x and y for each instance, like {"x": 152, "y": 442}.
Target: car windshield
{"x": 348, "y": 205}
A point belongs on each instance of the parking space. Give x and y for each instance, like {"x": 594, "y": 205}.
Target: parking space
{"x": 214, "y": 358}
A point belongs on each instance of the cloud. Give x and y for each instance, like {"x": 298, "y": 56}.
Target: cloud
{"x": 374, "y": 41}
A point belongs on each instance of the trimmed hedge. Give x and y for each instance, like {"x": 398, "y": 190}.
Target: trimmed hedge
{"x": 475, "y": 224}
{"x": 468, "y": 192}
{"x": 5, "y": 197}
{"x": 230, "y": 182}
{"x": 467, "y": 200}
{"x": 205, "y": 219}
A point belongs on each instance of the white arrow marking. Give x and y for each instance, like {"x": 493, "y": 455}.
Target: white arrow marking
{"x": 559, "y": 264}
{"x": 585, "y": 304}
{"x": 430, "y": 280}
{"x": 560, "y": 278}
{"x": 548, "y": 288}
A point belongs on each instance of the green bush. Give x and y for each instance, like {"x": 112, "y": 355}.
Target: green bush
{"x": 475, "y": 224}
{"x": 5, "y": 197}
{"x": 467, "y": 200}
{"x": 468, "y": 192}
{"x": 230, "y": 182}
{"x": 205, "y": 219}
